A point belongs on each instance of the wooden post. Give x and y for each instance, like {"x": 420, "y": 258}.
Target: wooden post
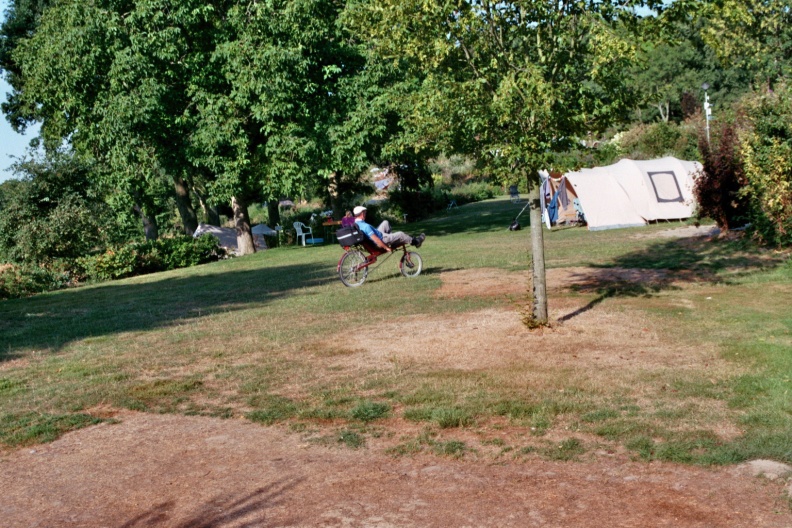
{"x": 537, "y": 255}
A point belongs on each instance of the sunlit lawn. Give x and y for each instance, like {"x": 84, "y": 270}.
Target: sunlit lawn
{"x": 234, "y": 339}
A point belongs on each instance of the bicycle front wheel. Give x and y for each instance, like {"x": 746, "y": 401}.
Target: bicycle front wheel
{"x": 352, "y": 269}
{"x": 411, "y": 264}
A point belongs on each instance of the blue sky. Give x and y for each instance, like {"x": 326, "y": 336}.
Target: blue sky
{"x": 11, "y": 143}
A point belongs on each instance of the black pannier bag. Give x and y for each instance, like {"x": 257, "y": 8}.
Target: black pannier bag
{"x": 349, "y": 236}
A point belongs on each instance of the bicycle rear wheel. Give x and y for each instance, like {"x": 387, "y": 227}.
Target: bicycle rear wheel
{"x": 351, "y": 270}
{"x": 411, "y": 264}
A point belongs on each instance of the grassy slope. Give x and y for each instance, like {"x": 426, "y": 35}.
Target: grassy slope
{"x": 228, "y": 339}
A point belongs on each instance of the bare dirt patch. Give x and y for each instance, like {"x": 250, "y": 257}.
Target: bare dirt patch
{"x": 175, "y": 471}
{"x": 683, "y": 232}
{"x": 496, "y": 339}
{"x": 606, "y": 350}
{"x": 491, "y": 282}
{"x": 179, "y": 471}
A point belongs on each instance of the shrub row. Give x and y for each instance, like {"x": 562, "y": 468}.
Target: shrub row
{"x": 422, "y": 203}
{"x": 766, "y": 151}
{"x": 748, "y": 170}
{"x": 139, "y": 258}
{"x": 24, "y": 280}
{"x": 136, "y": 258}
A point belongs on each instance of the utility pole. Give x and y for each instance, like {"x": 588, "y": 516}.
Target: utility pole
{"x": 707, "y": 109}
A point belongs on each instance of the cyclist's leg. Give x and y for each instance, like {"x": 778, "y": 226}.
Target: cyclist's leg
{"x": 384, "y": 227}
{"x": 397, "y": 239}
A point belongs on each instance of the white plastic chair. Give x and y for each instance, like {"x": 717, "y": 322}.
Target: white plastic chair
{"x": 303, "y": 231}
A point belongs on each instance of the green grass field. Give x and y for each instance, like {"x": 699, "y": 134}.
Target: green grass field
{"x": 252, "y": 337}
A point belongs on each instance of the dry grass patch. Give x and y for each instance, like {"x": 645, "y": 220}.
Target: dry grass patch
{"x": 490, "y": 282}
{"x": 602, "y": 350}
{"x": 483, "y": 282}
{"x": 495, "y": 338}
{"x": 682, "y": 232}
{"x": 610, "y": 352}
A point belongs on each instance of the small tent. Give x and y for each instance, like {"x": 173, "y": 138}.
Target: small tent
{"x": 227, "y": 237}
{"x": 632, "y": 193}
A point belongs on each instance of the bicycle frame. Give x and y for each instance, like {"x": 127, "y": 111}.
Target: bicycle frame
{"x": 410, "y": 263}
{"x": 375, "y": 252}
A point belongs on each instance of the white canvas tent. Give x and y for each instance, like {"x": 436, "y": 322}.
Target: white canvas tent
{"x": 226, "y": 236}
{"x": 633, "y": 193}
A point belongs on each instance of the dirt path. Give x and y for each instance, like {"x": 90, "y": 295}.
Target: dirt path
{"x": 176, "y": 471}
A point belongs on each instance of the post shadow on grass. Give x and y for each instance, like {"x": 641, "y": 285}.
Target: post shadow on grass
{"x": 249, "y": 510}
{"x": 663, "y": 265}
{"x": 53, "y": 320}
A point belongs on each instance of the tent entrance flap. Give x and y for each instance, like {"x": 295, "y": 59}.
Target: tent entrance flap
{"x": 557, "y": 197}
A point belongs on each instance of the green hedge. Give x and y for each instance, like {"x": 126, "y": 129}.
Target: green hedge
{"x": 139, "y": 258}
{"x": 24, "y": 280}
{"x": 766, "y": 151}
{"x": 136, "y": 258}
{"x": 420, "y": 204}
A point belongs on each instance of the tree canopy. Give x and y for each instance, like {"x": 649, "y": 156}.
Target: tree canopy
{"x": 510, "y": 82}
{"x": 230, "y": 102}
{"x": 233, "y": 100}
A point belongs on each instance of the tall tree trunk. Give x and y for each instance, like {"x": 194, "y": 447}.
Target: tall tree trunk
{"x": 537, "y": 254}
{"x": 335, "y": 195}
{"x": 273, "y": 212}
{"x": 210, "y": 211}
{"x": 184, "y": 204}
{"x": 150, "y": 227}
{"x": 245, "y": 244}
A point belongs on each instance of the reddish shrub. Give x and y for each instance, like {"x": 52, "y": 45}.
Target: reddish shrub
{"x": 717, "y": 189}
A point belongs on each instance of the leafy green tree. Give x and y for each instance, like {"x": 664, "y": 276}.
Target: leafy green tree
{"x": 289, "y": 99}
{"x": 675, "y": 61}
{"x": 365, "y": 127}
{"x": 665, "y": 72}
{"x": 20, "y": 21}
{"x": 233, "y": 101}
{"x": 766, "y": 152}
{"x": 252, "y": 115}
{"x": 508, "y": 82}
{"x": 754, "y": 35}
{"x": 109, "y": 77}
{"x": 53, "y": 212}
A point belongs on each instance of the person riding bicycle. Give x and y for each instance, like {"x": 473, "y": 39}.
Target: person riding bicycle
{"x": 382, "y": 235}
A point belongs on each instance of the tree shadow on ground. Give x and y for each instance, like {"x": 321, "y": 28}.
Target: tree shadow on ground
{"x": 50, "y": 321}
{"x": 247, "y": 510}
{"x": 668, "y": 265}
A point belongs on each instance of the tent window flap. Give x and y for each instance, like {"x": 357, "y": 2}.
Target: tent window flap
{"x": 666, "y": 186}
